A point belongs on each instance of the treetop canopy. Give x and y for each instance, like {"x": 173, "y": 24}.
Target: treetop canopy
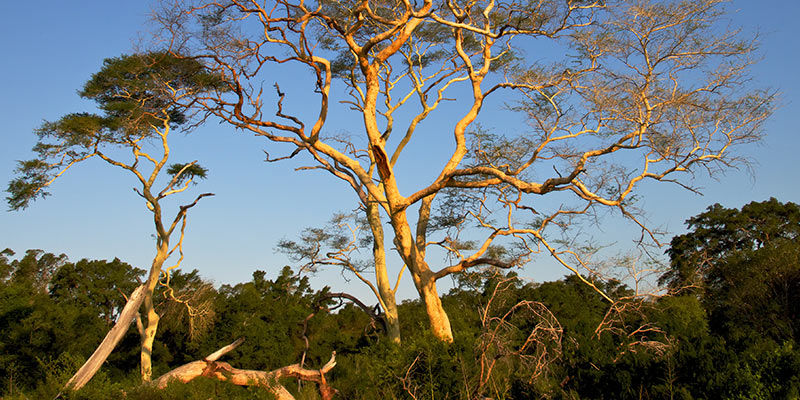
{"x": 138, "y": 94}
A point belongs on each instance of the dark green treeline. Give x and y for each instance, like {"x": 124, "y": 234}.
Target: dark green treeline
{"x": 728, "y": 330}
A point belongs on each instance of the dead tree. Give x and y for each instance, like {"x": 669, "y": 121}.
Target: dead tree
{"x": 211, "y": 368}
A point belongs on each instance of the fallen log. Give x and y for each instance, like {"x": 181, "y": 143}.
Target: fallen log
{"x": 211, "y": 368}
{"x": 87, "y": 371}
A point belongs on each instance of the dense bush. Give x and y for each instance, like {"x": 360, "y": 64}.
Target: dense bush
{"x": 732, "y": 335}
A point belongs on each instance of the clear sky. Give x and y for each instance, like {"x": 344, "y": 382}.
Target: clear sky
{"x": 52, "y": 48}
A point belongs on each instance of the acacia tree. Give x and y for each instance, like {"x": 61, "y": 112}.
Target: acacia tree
{"x": 138, "y": 95}
{"x": 639, "y": 91}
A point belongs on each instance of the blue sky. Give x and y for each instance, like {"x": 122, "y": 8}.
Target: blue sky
{"x": 51, "y": 50}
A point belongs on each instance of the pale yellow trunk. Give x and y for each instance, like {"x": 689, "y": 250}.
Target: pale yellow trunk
{"x": 392, "y": 321}
{"x": 382, "y": 276}
{"x": 151, "y": 327}
{"x": 424, "y": 278}
{"x": 406, "y": 246}
{"x": 148, "y": 339}
{"x": 440, "y": 323}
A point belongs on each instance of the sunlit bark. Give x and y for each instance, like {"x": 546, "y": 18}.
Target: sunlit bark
{"x": 385, "y": 290}
{"x": 211, "y": 368}
{"x": 646, "y": 91}
{"x": 148, "y": 334}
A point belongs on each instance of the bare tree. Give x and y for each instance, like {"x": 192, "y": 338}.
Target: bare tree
{"x": 139, "y": 96}
{"x": 639, "y": 91}
{"x": 524, "y": 337}
{"x": 629, "y": 316}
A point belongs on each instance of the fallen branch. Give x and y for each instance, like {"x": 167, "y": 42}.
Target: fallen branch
{"x": 92, "y": 365}
{"x": 211, "y": 368}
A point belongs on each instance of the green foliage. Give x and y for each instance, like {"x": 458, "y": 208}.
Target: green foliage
{"x": 186, "y": 172}
{"x": 268, "y": 314}
{"x": 56, "y": 309}
{"x": 138, "y": 94}
{"x": 720, "y": 232}
{"x": 95, "y": 285}
{"x": 732, "y": 340}
{"x": 742, "y": 267}
{"x": 34, "y": 270}
{"x": 139, "y": 91}
{"x": 745, "y": 265}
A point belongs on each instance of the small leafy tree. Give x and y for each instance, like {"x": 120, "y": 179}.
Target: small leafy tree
{"x": 138, "y": 96}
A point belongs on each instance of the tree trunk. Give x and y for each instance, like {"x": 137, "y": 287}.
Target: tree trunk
{"x": 151, "y": 327}
{"x": 211, "y": 368}
{"x": 148, "y": 338}
{"x": 92, "y": 365}
{"x": 424, "y": 278}
{"x": 385, "y": 290}
{"x": 392, "y": 321}
{"x": 440, "y": 323}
